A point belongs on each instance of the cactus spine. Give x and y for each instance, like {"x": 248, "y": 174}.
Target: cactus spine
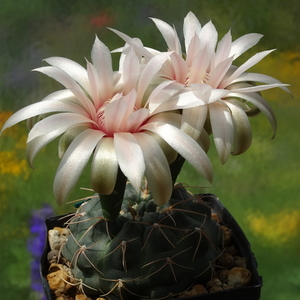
{"x": 148, "y": 251}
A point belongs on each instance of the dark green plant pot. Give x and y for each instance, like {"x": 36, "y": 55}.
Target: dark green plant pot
{"x": 250, "y": 292}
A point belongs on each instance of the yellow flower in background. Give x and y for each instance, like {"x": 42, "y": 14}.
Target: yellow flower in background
{"x": 276, "y": 228}
{"x": 21, "y": 142}
{"x": 289, "y": 63}
{"x": 4, "y": 115}
{"x": 17, "y": 134}
{"x": 11, "y": 164}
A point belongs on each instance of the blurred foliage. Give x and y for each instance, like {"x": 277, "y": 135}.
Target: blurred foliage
{"x": 260, "y": 187}
{"x": 31, "y": 31}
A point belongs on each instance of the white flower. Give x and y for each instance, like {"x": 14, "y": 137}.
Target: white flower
{"x": 215, "y": 92}
{"x": 104, "y": 115}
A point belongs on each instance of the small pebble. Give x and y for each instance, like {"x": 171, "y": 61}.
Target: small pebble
{"x": 81, "y": 297}
{"x": 239, "y": 277}
{"x": 52, "y": 256}
{"x": 232, "y": 250}
{"x": 226, "y": 260}
{"x": 216, "y": 289}
{"x": 197, "y": 289}
{"x": 214, "y": 282}
{"x": 57, "y": 236}
{"x": 227, "y": 234}
{"x": 240, "y": 262}
{"x": 223, "y": 275}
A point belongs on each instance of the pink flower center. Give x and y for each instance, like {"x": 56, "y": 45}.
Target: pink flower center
{"x": 120, "y": 114}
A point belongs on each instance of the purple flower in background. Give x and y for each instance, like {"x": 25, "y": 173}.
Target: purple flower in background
{"x": 36, "y": 244}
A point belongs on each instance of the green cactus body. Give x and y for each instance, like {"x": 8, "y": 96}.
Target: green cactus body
{"x": 148, "y": 251}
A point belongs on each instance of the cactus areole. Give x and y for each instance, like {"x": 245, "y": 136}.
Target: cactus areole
{"x": 148, "y": 251}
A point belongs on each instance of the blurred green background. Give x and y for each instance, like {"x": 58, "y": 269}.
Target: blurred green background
{"x": 261, "y": 188}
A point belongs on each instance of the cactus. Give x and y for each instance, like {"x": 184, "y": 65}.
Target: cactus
{"x": 148, "y": 251}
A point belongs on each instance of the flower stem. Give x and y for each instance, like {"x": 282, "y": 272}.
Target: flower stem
{"x": 111, "y": 204}
{"x": 175, "y": 167}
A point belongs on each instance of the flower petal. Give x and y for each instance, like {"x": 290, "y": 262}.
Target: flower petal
{"x": 114, "y": 113}
{"x": 101, "y": 59}
{"x": 150, "y": 70}
{"x": 218, "y": 73}
{"x": 67, "y": 81}
{"x": 199, "y": 66}
{"x": 172, "y": 118}
{"x": 245, "y": 66}
{"x": 256, "y": 88}
{"x": 243, "y": 43}
{"x": 72, "y": 68}
{"x": 67, "y": 138}
{"x": 204, "y": 140}
{"x": 130, "y": 157}
{"x": 117, "y": 112}
{"x": 208, "y": 37}
{"x": 65, "y": 95}
{"x": 222, "y": 129}
{"x": 242, "y": 128}
{"x": 191, "y": 27}
{"x": 131, "y": 72}
{"x": 194, "y": 47}
{"x": 189, "y": 98}
{"x": 59, "y": 123}
{"x": 104, "y": 169}
{"x": 180, "y": 68}
{"x": 135, "y": 119}
{"x": 135, "y": 43}
{"x": 193, "y": 120}
{"x": 206, "y": 94}
{"x": 164, "y": 97}
{"x": 73, "y": 163}
{"x": 94, "y": 88}
{"x": 256, "y": 77}
{"x": 186, "y": 146}
{"x": 261, "y": 104}
{"x": 169, "y": 34}
{"x": 39, "y": 108}
{"x": 157, "y": 169}
{"x": 36, "y": 145}
{"x": 168, "y": 151}
{"x": 130, "y": 100}
{"x": 223, "y": 49}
